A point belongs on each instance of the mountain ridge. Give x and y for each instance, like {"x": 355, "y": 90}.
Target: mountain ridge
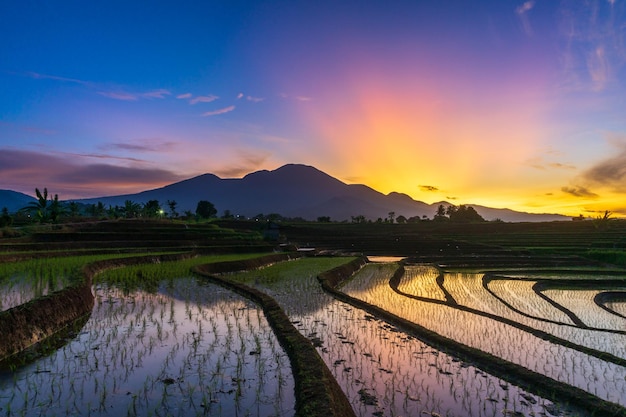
{"x": 292, "y": 190}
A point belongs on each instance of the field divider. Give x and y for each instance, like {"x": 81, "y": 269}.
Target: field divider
{"x": 515, "y": 374}
{"x": 317, "y": 392}
{"x": 610, "y": 296}
{"x": 30, "y": 324}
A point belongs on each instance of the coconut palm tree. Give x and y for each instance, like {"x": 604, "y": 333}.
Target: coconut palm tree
{"x": 41, "y": 208}
{"x": 131, "y": 209}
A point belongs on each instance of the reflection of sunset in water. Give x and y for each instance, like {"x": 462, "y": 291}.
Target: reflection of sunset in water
{"x": 553, "y": 360}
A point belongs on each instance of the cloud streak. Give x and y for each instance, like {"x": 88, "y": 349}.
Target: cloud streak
{"x": 39, "y": 76}
{"x": 203, "y": 99}
{"x": 218, "y": 111}
{"x": 126, "y": 96}
{"x": 522, "y": 13}
{"x": 610, "y": 172}
{"x": 579, "y": 191}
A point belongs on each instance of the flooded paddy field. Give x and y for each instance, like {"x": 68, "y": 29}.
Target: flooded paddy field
{"x": 526, "y": 326}
{"x": 382, "y": 370}
{"x": 187, "y": 348}
{"x": 163, "y": 341}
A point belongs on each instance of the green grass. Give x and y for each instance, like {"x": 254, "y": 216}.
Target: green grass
{"x": 615, "y": 257}
{"x": 278, "y": 273}
{"x": 147, "y": 276}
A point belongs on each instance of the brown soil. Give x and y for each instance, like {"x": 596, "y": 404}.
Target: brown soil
{"x": 317, "y": 391}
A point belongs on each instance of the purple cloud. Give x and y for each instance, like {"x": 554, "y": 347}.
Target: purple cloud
{"x": 203, "y": 99}
{"x": 74, "y": 176}
{"x": 219, "y": 111}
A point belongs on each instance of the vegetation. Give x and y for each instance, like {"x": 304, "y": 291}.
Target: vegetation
{"x": 205, "y": 209}
{"x": 352, "y": 340}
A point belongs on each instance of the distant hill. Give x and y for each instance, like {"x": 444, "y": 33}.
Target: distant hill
{"x": 14, "y": 201}
{"x": 298, "y": 191}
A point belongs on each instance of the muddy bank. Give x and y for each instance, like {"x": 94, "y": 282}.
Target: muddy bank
{"x": 317, "y": 392}
{"x": 513, "y": 373}
{"x": 24, "y": 326}
{"x": 29, "y": 324}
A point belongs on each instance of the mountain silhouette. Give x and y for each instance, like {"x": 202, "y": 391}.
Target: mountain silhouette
{"x": 14, "y": 200}
{"x": 296, "y": 190}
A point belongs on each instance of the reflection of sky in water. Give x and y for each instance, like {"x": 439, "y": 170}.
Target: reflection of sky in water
{"x": 159, "y": 354}
{"x": 617, "y": 306}
{"x": 405, "y": 376}
{"x": 19, "y": 289}
{"x": 567, "y": 365}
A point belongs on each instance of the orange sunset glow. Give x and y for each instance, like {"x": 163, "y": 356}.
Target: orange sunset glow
{"x": 508, "y": 105}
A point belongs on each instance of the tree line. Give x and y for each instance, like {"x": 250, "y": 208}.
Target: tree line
{"x": 48, "y": 209}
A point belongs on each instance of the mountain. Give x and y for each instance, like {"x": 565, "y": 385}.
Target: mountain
{"x": 298, "y": 191}
{"x": 14, "y": 201}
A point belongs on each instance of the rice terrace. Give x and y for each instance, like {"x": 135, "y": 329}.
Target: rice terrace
{"x": 220, "y": 318}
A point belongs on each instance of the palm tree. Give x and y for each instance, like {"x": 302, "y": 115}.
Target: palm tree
{"x": 131, "y": 209}
{"x": 40, "y": 207}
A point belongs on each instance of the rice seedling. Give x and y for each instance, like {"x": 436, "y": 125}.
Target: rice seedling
{"x": 128, "y": 360}
{"x": 485, "y": 333}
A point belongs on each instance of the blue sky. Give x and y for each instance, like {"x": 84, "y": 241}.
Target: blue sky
{"x": 515, "y": 104}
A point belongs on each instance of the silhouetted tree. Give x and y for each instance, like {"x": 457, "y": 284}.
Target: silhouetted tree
{"x": 74, "y": 209}
{"x": 44, "y": 209}
{"x": 358, "y": 219}
{"x": 228, "y": 215}
{"x": 131, "y": 209}
{"x": 401, "y": 219}
{"x": 205, "y": 209}
{"x": 172, "y": 205}
{"x": 323, "y": 219}
{"x": 464, "y": 214}
{"x": 391, "y": 216}
{"x": 5, "y": 218}
{"x": 440, "y": 215}
{"x": 152, "y": 209}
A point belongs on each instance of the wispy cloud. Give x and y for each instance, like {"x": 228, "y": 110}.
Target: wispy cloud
{"x": 593, "y": 49}
{"x": 102, "y": 89}
{"x": 184, "y": 96}
{"x": 522, "y": 14}
{"x": 540, "y": 163}
{"x": 126, "y": 96}
{"x": 428, "y": 188}
{"x": 599, "y": 68}
{"x": 610, "y": 172}
{"x": 203, "y": 99}
{"x": 145, "y": 145}
{"x": 254, "y": 99}
{"x": 40, "y": 76}
{"x": 579, "y": 191}
{"x": 219, "y": 111}
{"x": 298, "y": 98}
{"x": 119, "y": 95}
{"x": 245, "y": 162}
{"x": 239, "y": 96}
{"x": 161, "y": 93}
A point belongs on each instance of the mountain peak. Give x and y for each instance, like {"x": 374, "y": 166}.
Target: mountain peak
{"x": 292, "y": 190}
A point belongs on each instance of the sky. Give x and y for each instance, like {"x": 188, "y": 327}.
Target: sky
{"x": 508, "y": 104}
